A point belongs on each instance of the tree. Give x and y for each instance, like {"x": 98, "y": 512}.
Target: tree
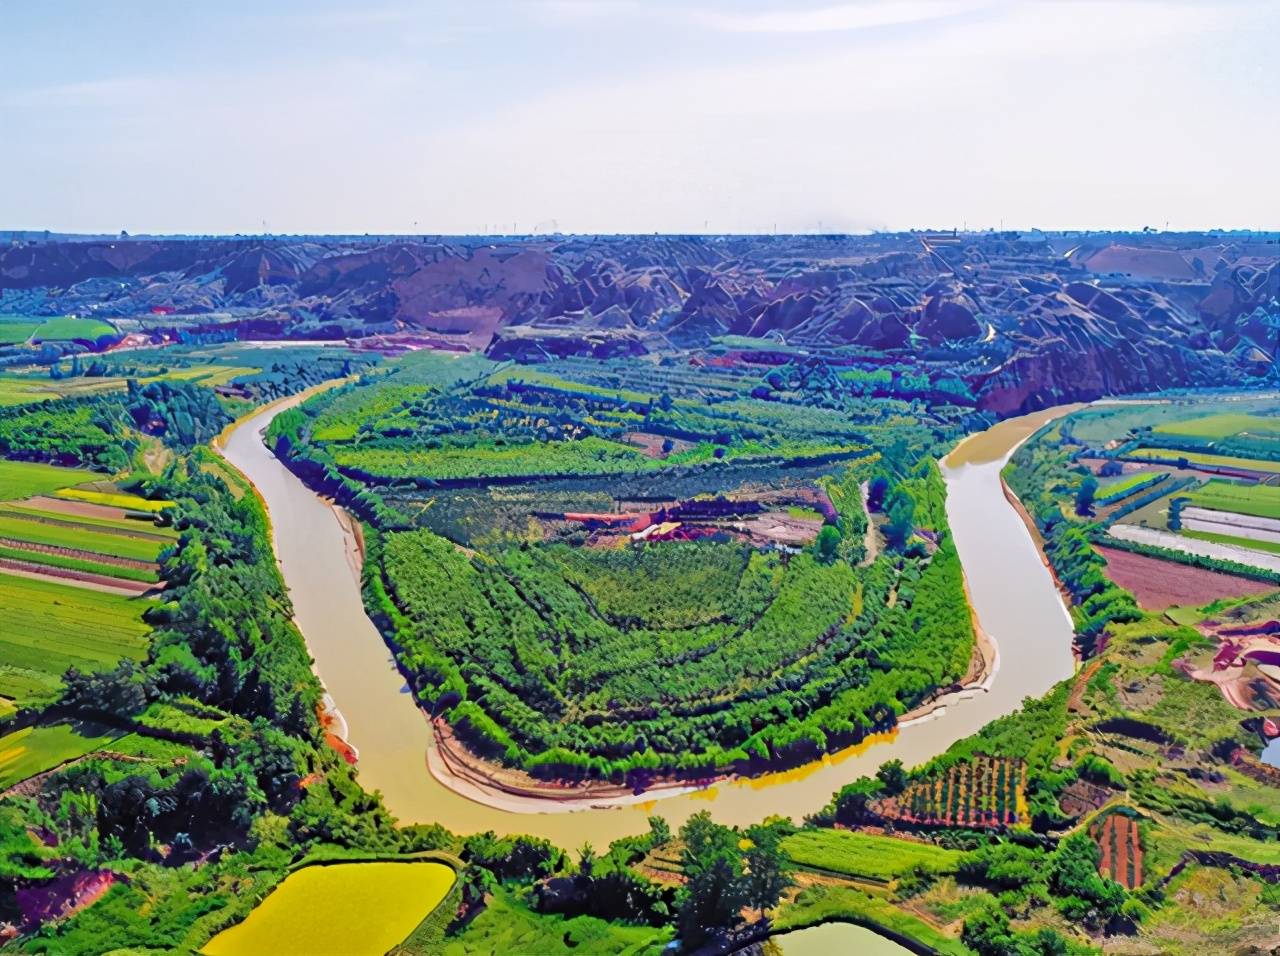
{"x": 877, "y": 488}
{"x": 586, "y": 860}
{"x": 1085, "y": 495}
{"x": 893, "y": 777}
{"x": 659, "y": 832}
{"x": 827, "y": 545}
{"x": 900, "y": 509}
{"x": 768, "y": 868}
{"x": 715, "y": 891}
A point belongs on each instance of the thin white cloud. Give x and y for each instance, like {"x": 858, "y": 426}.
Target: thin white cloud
{"x": 833, "y": 19}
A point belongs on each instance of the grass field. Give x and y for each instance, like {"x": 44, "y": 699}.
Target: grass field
{"x": 113, "y": 499}
{"x": 46, "y": 627}
{"x": 12, "y": 332}
{"x": 81, "y": 539}
{"x": 24, "y": 389}
{"x": 22, "y": 479}
{"x": 68, "y": 327}
{"x": 1212, "y": 461}
{"x": 1217, "y": 427}
{"x": 508, "y": 926}
{"x": 867, "y": 855}
{"x": 1262, "y": 501}
{"x": 345, "y": 909}
{"x": 33, "y": 750}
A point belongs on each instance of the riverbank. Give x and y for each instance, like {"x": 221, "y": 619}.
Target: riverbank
{"x": 487, "y": 782}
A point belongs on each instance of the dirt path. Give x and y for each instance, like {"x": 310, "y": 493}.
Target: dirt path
{"x": 871, "y": 544}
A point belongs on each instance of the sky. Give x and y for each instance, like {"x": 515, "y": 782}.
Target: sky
{"x": 587, "y": 116}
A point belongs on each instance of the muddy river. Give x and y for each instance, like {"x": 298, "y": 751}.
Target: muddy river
{"x": 1012, "y": 593}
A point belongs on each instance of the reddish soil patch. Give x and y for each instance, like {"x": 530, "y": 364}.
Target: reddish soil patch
{"x": 1158, "y": 584}
{"x": 1121, "y": 844}
{"x": 81, "y": 509}
{"x": 64, "y": 896}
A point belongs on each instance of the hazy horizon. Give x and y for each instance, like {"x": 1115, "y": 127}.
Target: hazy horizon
{"x": 621, "y": 117}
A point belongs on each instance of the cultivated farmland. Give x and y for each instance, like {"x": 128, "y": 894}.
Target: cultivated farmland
{"x": 866, "y": 855}
{"x": 46, "y": 627}
{"x": 1129, "y": 484}
{"x": 33, "y": 750}
{"x": 983, "y": 792}
{"x": 345, "y": 909}
{"x": 21, "y": 479}
{"x": 1206, "y": 461}
{"x": 1158, "y": 584}
{"x": 1118, "y": 838}
{"x": 1262, "y": 501}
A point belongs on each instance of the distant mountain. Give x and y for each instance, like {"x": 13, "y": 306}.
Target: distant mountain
{"x": 1025, "y": 319}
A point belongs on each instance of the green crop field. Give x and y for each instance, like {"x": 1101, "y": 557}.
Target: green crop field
{"x": 1212, "y": 461}
{"x": 84, "y": 565}
{"x": 346, "y": 909}
{"x": 68, "y": 327}
{"x": 1222, "y": 426}
{"x": 33, "y": 750}
{"x": 46, "y": 627}
{"x": 1271, "y": 547}
{"x": 1126, "y": 485}
{"x": 868, "y": 855}
{"x": 80, "y": 539}
{"x": 1262, "y": 501}
{"x": 22, "y": 479}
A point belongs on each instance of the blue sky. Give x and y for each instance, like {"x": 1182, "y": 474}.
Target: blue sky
{"x": 624, "y": 115}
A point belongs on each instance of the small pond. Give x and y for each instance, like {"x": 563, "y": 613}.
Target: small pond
{"x": 833, "y": 939}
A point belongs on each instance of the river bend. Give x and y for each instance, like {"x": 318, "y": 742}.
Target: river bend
{"x": 1012, "y": 592}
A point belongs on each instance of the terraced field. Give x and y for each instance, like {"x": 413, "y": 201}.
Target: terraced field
{"x": 21, "y": 479}
{"x": 46, "y": 627}
{"x": 21, "y": 531}
{"x": 1206, "y": 460}
{"x": 1262, "y": 501}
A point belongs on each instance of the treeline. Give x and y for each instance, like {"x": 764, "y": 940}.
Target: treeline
{"x": 102, "y": 431}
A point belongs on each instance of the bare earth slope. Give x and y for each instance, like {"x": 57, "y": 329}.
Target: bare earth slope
{"x": 1025, "y": 320}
